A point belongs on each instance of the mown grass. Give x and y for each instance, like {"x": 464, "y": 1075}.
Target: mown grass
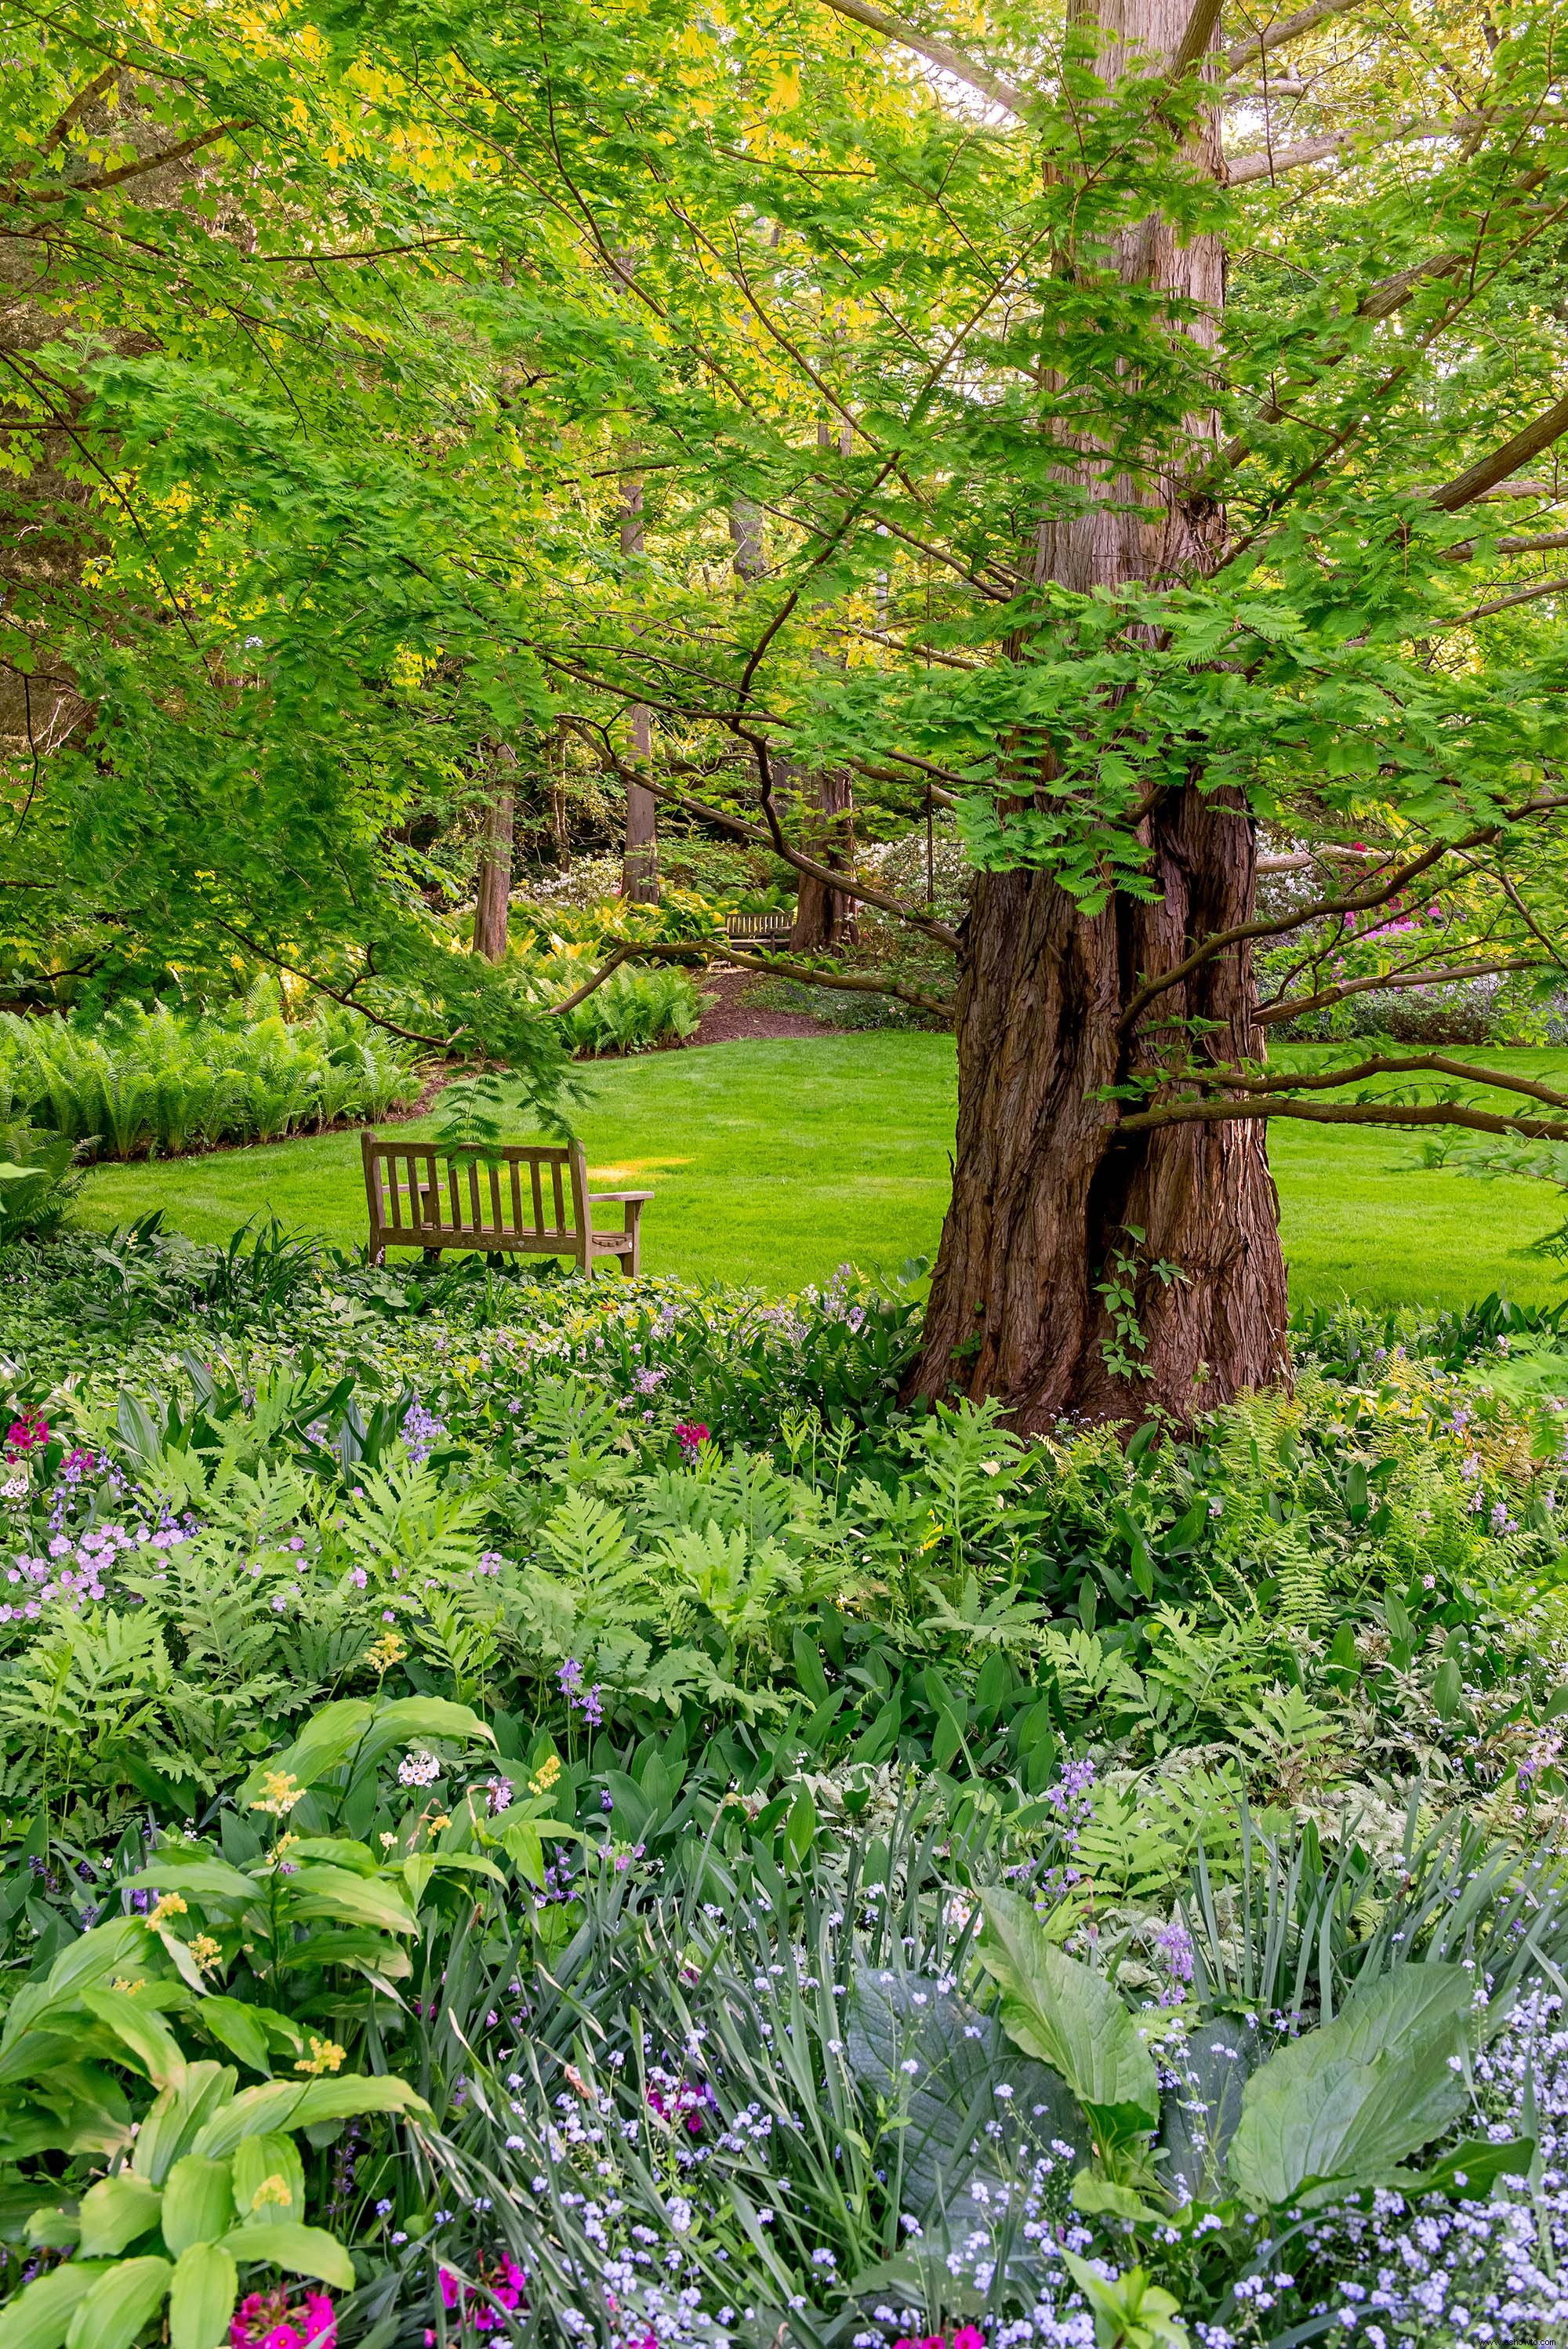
{"x": 774, "y": 1162}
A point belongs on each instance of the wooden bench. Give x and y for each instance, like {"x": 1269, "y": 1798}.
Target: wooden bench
{"x": 521, "y": 1198}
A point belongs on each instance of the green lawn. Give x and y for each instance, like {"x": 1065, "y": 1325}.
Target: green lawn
{"x": 775, "y": 1162}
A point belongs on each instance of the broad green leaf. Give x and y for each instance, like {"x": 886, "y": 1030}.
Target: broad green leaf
{"x": 269, "y": 2179}
{"x": 410, "y": 1718}
{"x": 252, "y": 2113}
{"x": 197, "y": 2202}
{"x": 295, "y": 2104}
{"x": 236, "y": 2026}
{"x": 356, "y": 2093}
{"x": 303, "y": 2250}
{"x": 102, "y": 1951}
{"x": 1470, "y": 2170}
{"x": 113, "y": 2312}
{"x": 40, "y": 2315}
{"x": 331, "y": 1738}
{"x": 144, "y": 2032}
{"x": 338, "y": 1892}
{"x": 178, "y": 2118}
{"x": 116, "y": 2211}
{"x": 202, "y": 2297}
{"x": 213, "y": 1877}
{"x": 1071, "y": 2018}
{"x": 1352, "y": 2101}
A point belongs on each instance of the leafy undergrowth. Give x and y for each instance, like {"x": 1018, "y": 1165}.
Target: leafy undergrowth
{"x": 549, "y": 1810}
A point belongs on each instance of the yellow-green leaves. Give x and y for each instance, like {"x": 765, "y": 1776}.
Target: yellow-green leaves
{"x": 40, "y": 2315}
{"x": 202, "y": 2296}
{"x": 120, "y": 2302}
{"x": 197, "y": 2202}
{"x": 117, "y": 2210}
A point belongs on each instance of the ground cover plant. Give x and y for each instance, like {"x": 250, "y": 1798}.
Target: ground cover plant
{"x": 561, "y": 1810}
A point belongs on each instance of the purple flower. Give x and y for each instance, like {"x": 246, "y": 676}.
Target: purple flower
{"x": 421, "y": 1431}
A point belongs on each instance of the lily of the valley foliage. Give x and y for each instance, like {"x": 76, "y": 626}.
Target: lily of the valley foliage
{"x": 1122, "y": 426}
{"x": 577, "y": 1818}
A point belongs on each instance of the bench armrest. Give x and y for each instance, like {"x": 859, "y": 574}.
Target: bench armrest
{"x": 606, "y": 1198}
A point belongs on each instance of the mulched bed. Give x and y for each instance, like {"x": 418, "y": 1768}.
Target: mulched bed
{"x": 733, "y": 1021}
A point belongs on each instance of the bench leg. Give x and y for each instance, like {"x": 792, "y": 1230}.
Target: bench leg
{"x": 632, "y": 1261}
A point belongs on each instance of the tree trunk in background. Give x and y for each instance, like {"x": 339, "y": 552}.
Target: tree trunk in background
{"x": 640, "y": 864}
{"x": 640, "y": 858}
{"x": 493, "y": 891}
{"x": 825, "y": 918}
{"x": 1046, "y": 1201}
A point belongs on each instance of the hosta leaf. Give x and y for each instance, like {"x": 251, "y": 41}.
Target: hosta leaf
{"x": 143, "y": 2030}
{"x": 1071, "y": 2018}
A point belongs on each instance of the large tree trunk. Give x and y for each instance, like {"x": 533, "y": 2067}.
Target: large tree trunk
{"x": 825, "y": 918}
{"x": 1045, "y": 1200}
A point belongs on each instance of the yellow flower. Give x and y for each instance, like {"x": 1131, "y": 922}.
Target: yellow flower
{"x": 168, "y": 1904}
{"x": 129, "y": 1988}
{"x": 326, "y": 2055}
{"x": 438, "y": 1822}
{"x": 546, "y": 1775}
{"x": 389, "y": 1649}
{"x": 284, "y": 1845}
{"x": 271, "y": 2194}
{"x": 206, "y": 1952}
{"x": 280, "y": 1791}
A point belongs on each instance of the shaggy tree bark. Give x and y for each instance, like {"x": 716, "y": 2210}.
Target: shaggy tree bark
{"x": 1049, "y": 1210}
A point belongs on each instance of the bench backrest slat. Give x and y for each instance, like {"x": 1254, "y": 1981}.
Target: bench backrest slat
{"x": 415, "y": 1193}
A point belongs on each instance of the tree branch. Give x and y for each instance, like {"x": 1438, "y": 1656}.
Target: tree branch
{"x": 943, "y": 934}
{"x": 1393, "y": 982}
{"x": 1267, "y": 163}
{"x": 939, "y": 53}
{"x": 1491, "y": 470}
{"x": 1549, "y": 543}
{"x": 1497, "y": 603}
{"x": 1298, "y": 919}
{"x": 143, "y": 164}
{"x": 1417, "y": 1113}
{"x": 779, "y": 967}
{"x": 610, "y": 963}
{"x": 1193, "y": 45}
{"x": 334, "y": 994}
{"x": 1286, "y": 29}
{"x": 1391, "y": 1064}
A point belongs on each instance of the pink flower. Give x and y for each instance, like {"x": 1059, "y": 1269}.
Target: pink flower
{"x": 693, "y": 1435}
{"x": 969, "y": 2336}
{"x": 268, "y": 2320}
{"x": 26, "y": 1434}
{"x": 502, "y": 2282}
